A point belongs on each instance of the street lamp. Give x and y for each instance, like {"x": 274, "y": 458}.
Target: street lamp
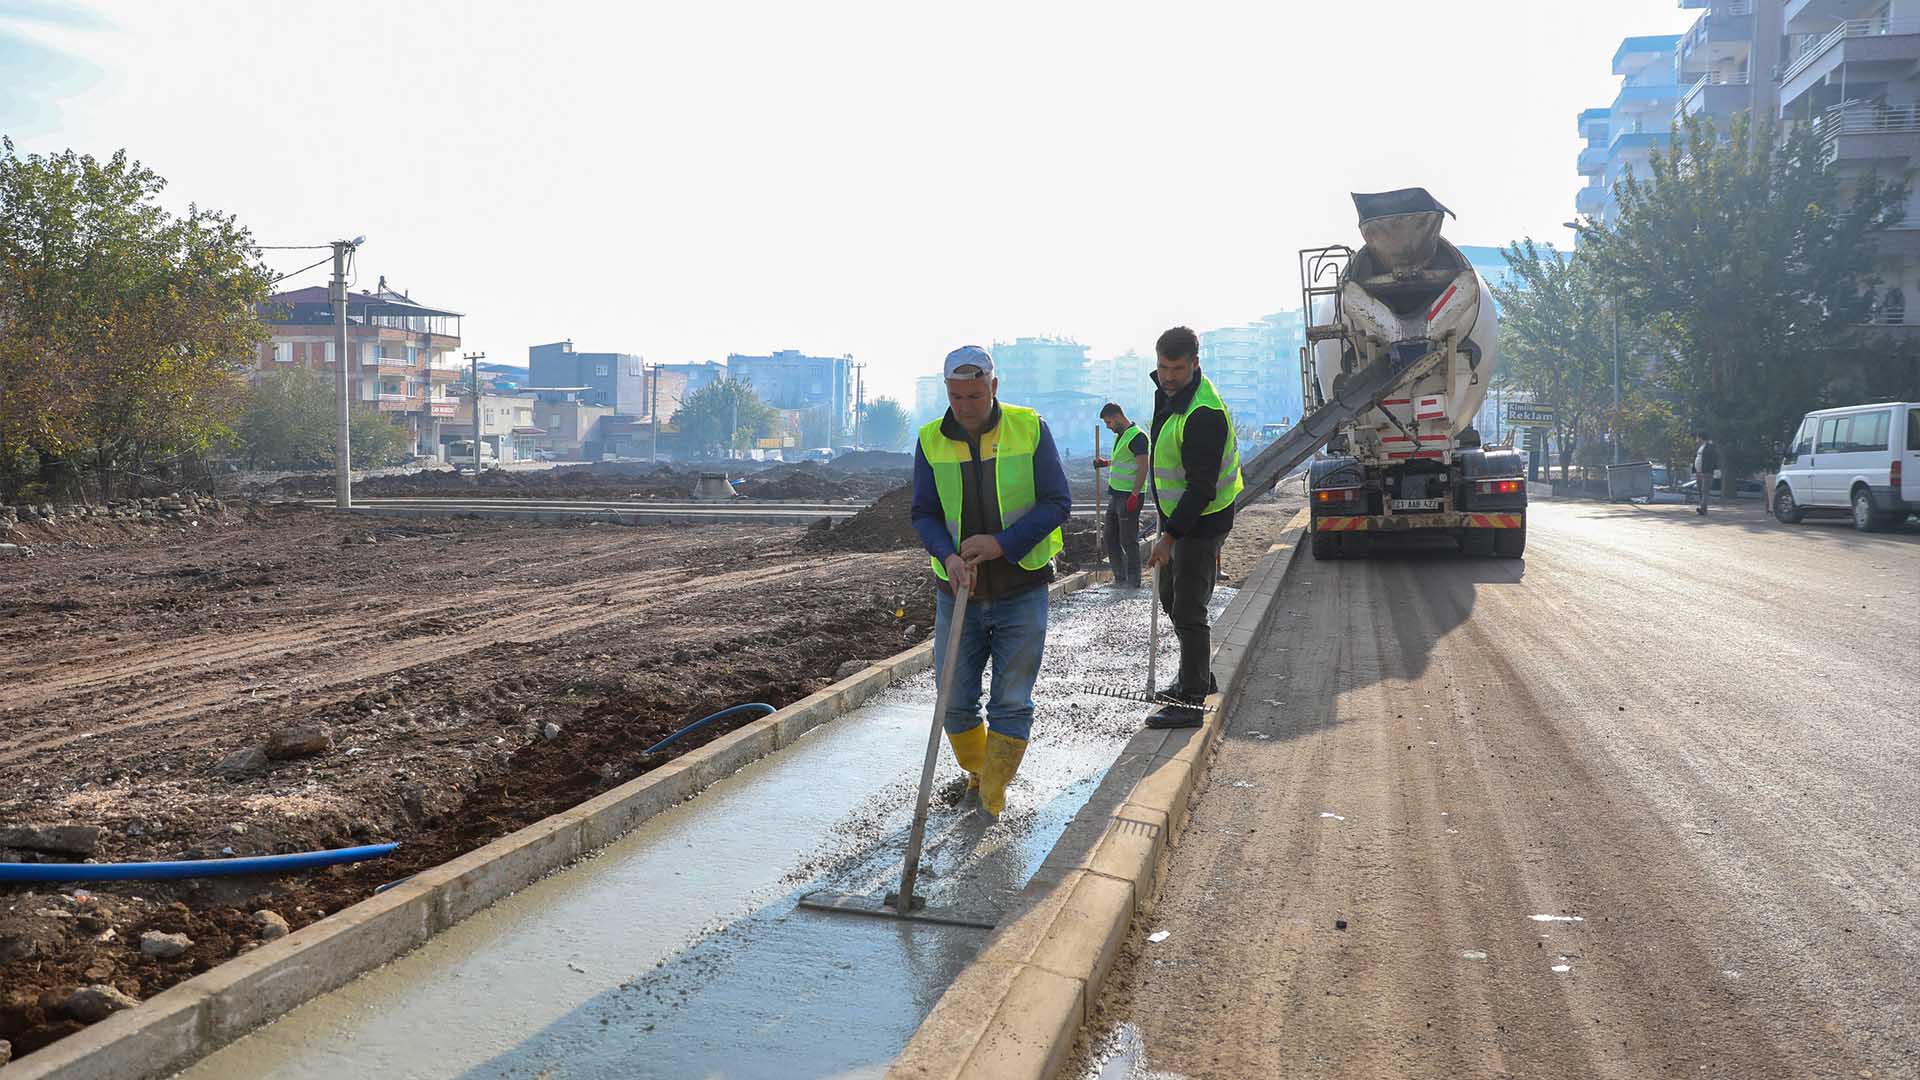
{"x": 1613, "y": 304}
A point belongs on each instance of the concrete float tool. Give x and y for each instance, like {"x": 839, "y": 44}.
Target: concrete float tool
{"x": 1150, "y": 696}
{"x": 903, "y": 904}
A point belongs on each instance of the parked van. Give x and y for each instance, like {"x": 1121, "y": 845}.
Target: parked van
{"x": 1862, "y": 460}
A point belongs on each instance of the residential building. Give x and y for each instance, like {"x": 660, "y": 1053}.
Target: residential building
{"x": 1854, "y": 72}
{"x": 611, "y": 379}
{"x": 569, "y": 425}
{"x": 1851, "y": 68}
{"x": 1124, "y": 380}
{"x": 1281, "y": 393}
{"x": 506, "y": 425}
{"x": 1050, "y": 374}
{"x": 929, "y": 399}
{"x": 682, "y": 380}
{"x": 402, "y": 354}
{"x": 791, "y": 380}
{"x": 1238, "y": 360}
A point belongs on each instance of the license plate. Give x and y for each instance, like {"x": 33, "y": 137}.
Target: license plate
{"x": 1416, "y": 504}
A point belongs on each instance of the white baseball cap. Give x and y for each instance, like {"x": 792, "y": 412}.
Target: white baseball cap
{"x": 969, "y": 356}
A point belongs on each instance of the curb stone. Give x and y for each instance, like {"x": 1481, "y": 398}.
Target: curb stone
{"x": 1013, "y": 1012}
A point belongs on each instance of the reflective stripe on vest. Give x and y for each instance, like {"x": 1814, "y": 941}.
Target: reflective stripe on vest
{"x": 1124, "y": 467}
{"x": 1014, "y": 441}
{"x": 1170, "y": 472}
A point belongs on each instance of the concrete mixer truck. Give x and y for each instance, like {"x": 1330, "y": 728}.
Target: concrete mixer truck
{"x": 1401, "y": 345}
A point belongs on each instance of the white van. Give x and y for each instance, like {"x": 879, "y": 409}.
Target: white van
{"x": 1863, "y": 460}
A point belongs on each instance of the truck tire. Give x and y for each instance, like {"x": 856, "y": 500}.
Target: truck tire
{"x": 1326, "y": 546}
{"x": 1510, "y": 543}
{"x": 1477, "y": 543}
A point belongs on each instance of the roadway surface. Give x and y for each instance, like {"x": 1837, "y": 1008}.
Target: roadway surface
{"x": 1642, "y": 805}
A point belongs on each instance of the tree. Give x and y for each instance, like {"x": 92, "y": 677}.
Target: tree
{"x": 124, "y": 331}
{"x": 723, "y": 414}
{"x": 1744, "y": 258}
{"x": 289, "y": 424}
{"x": 886, "y": 426}
{"x": 1556, "y": 342}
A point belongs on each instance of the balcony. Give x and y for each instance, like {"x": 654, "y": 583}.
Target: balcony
{"x": 1892, "y": 45}
{"x": 1636, "y": 143}
{"x": 1593, "y": 161}
{"x": 1591, "y": 201}
{"x": 446, "y": 373}
{"x": 1867, "y": 134}
{"x": 1717, "y": 94}
{"x": 1722, "y": 34}
{"x": 1818, "y": 16}
{"x": 1644, "y": 100}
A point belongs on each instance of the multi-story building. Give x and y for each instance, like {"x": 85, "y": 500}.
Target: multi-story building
{"x": 792, "y": 380}
{"x": 929, "y": 399}
{"x": 1854, "y": 73}
{"x": 615, "y": 380}
{"x": 402, "y": 355}
{"x": 1851, "y": 68}
{"x": 1281, "y": 399}
{"x": 506, "y": 425}
{"x": 1124, "y": 381}
{"x": 1049, "y": 374}
{"x": 1238, "y": 360}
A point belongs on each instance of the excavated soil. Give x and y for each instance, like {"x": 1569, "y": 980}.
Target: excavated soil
{"x": 620, "y": 481}
{"x": 136, "y": 659}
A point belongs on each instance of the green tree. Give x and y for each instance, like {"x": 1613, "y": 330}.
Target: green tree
{"x": 721, "y": 415}
{"x": 124, "y": 330}
{"x": 886, "y": 426}
{"x": 289, "y": 424}
{"x": 1745, "y": 258}
{"x": 1557, "y": 343}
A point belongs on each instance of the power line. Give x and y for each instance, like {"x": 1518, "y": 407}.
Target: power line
{"x": 292, "y": 247}
{"x": 302, "y": 270}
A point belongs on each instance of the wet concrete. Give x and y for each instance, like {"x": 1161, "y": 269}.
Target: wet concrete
{"x": 679, "y": 950}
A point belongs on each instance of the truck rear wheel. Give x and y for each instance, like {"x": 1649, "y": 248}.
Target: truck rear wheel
{"x": 1477, "y": 543}
{"x": 1510, "y": 543}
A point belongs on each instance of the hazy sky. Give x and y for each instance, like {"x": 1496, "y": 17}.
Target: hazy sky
{"x": 683, "y": 180}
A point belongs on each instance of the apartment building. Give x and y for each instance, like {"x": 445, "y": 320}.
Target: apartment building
{"x": 615, "y": 380}
{"x": 1850, "y": 68}
{"x": 790, "y": 380}
{"x": 402, "y": 354}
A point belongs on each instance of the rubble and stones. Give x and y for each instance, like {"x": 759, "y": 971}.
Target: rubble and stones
{"x": 92, "y": 1004}
{"x": 164, "y": 946}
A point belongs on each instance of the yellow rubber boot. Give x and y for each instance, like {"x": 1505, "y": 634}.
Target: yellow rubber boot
{"x": 970, "y": 750}
{"x": 1003, "y": 760}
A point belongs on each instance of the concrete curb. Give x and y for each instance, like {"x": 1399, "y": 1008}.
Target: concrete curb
{"x": 184, "y": 1023}
{"x": 1013, "y": 1012}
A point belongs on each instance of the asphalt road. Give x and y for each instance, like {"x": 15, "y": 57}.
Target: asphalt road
{"x": 1646, "y": 804}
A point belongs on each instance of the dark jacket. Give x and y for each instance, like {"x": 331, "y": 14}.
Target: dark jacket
{"x": 980, "y": 511}
{"x": 1706, "y": 458}
{"x": 1203, "y": 445}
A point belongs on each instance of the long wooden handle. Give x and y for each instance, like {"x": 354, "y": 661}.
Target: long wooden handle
{"x": 910, "y": 869}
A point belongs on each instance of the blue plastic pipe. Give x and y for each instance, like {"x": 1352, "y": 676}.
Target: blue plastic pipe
{"x": 191, "y": 868}
{"x": 705, "y": 720}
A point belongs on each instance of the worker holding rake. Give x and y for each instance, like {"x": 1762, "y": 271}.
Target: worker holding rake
{"x": 989, "y": 499}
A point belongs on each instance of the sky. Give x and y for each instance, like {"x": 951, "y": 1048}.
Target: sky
{"x": 885, "y": 180}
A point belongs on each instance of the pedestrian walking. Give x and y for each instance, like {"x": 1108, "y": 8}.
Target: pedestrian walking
{"x": 1196, "y": 475}
{"x": 1706, "y": 458}
{"x": 989, "y": 498}
{"x": 1126, "y": 476}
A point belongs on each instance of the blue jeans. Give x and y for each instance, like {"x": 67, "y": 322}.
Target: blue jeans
{"x": 1013, "y": 633}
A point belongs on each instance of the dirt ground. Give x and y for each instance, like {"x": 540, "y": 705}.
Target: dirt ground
{"x": 870, "y": 476}
{"x": 134, "y": 661}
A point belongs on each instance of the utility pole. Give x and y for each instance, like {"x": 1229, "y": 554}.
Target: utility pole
{"x": 473, "y": 365}
{"x": 342, "y": 444}
{"x": 859, "y": 402}
{"x": 653, "y": 411}
{"x": 1616, "y": 379}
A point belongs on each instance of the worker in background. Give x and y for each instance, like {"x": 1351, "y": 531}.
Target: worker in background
{"x": 1706, "y": 458}
{"x": 1196, "y": 474}
{"x": 1128, "y": 474}
{"x": 989, "y": 498}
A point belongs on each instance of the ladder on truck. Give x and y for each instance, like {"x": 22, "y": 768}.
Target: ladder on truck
{"x": 1350, "y": 396}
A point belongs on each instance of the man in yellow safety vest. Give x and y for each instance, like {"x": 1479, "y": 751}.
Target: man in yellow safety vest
{"x": 1129, "y": 467}
{"x": 989, "y": 498}
{"x": 1196, "y": 475}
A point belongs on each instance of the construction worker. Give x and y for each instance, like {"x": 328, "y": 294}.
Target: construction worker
{"x": 989, "y": 498}
{"x": 1196, "y": 474}
{"x": 1128, "y": 473}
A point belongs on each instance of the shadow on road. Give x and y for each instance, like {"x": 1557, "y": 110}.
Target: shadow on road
{"x": 1747, "y": 517}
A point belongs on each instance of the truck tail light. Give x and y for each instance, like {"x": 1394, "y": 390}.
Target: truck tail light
{"x": 1336, "y": 495}
{"x": 1500, "y": 487}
